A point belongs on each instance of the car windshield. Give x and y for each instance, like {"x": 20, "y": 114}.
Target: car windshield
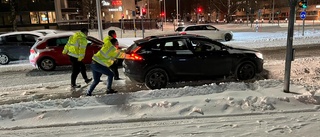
{"x": 179, "y": 29}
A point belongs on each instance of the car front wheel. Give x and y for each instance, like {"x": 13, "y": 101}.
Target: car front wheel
{"x": 227, "y": 37}
{"x": 245, "y": 71}
{"x": 4, "y": 59}
{"x": 156, "y": 79}
{"x": 47, "y": 64}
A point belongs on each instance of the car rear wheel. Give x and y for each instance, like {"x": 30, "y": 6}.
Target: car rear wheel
{"x": 47, "y": 64}
{"x": 156, "y": 79}
{"x": 245, "y": 71}
{"x": 4, "y": 59}
{"x": 227, "y": 37}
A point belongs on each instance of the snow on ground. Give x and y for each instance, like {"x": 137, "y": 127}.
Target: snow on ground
{"x": 260, "y": 108}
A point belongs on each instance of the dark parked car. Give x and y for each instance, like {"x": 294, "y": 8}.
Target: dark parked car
{"x": 46, "y": 53}
{"x": 16, "y": 45}
{"x": 157, "y": 60}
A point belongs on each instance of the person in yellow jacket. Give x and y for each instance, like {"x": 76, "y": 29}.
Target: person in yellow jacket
{"x": 101, "y": 62}
{"x": 76, "y": 49}
{"x": 114, "y": 67}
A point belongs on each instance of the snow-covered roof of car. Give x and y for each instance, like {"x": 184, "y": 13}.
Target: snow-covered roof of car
{"x": 46, "y": 31}
{"x": 22, "y": 32}
{"x": 62, "y": 34}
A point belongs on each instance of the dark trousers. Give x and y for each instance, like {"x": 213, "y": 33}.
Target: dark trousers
{"x": 97, "y": 71}
{"x": 114, "y": 68}
{"x": 77, "y": 67}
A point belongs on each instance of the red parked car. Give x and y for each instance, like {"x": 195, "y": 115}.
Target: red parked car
{"x": 46, "y": 53}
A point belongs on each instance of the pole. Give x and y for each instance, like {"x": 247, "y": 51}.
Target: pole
{"x": 165, "y": 13}
{"x": 177, "y": 6}
{"x": 99, "y": 21}
{"x": 134, "y": 26}
{"x": 273, "y": 11}
{"x": 289, "y": 54}
{"x": 148, "y": 9}
{"x": 303, "y": 23}
{"x": 162, "y": 23}
{"x": 142, "y": 26}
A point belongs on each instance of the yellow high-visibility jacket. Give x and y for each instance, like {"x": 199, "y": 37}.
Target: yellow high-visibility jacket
{"x": 107, "y": 54}
{"x": 76, "y": 46}
{"x": 107, "y": 39}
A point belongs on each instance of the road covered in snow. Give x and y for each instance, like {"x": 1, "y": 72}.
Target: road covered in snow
{"x": 258, "y": 108}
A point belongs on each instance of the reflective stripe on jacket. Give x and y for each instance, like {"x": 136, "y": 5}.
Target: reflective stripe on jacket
{"x": 76, "y": 46}
{"x": 108, "y": 54}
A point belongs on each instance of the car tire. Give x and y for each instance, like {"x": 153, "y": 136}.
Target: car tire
{"x": 4, "y": 59}
{"x": 156, "y": 79}
{"x": 245, "y": 71}
{"x": 227, "y": 37}
{"x": 47, "y": 64}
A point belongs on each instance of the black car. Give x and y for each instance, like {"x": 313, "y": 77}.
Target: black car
{"x": 157, "y": 60}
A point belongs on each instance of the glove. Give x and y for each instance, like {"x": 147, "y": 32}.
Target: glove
{"x": 64, "y": 52}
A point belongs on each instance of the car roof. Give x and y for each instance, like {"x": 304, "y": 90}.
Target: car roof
{"x": 46, "y": 31}
{"x": 62, "y": 34}
{"x": 22, "y": 32}
{"x": 165, "y": 36}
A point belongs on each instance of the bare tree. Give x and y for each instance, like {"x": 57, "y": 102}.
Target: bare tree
{"x": 89, "y": 7}
{"x": 13, "y": 6}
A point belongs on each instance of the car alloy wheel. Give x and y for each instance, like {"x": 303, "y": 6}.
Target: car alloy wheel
{"x": 4, "y": 59}
{"x": 47, "y": 64}
{"x": 156, "y": 79}
{"x": 246, "y": 71}
{"x": 227, "y": 37}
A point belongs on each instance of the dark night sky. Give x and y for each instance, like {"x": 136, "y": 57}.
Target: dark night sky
{"x": 185, "y": 6}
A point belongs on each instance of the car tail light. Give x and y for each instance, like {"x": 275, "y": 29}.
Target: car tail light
{"x": 183, "y": 33}
{"x": 32, "y": 51}
{"x": 133, "y": 56}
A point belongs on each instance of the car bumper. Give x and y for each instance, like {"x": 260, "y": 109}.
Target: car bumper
{"x": 260, "y": 65}
{"x": 33, "y": 60}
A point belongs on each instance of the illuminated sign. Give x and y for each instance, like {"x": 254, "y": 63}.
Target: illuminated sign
{"x": 105, "y": 3}
{"x": 116, "y": 3}
{"x": 115, "y": 9}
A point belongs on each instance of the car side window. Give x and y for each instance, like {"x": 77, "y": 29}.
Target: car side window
{"x": 191, "y": 28}
{"x": 52, "y": 42}
{"x": 62, "y": 41}
{"x": 175, "y": 45}
{"x": 30, "y": 38}
{"x": 1, "y": 40}
{"x": 14, "y": 38}
{"x": 211, "y": 27}
{"x": 204, "y": 46}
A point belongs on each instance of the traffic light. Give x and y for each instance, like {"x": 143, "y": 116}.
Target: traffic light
{"x": 199, "y": 10}
{"x": 161, "y": 14}
{"x": 144, "y": 11}
{"x": 303, "y": 4}
{"x": 122, "y": 16}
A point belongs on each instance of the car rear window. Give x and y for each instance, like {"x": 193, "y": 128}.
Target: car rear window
{"x": 179, "y": 29}
{"x": 132, "y": 48}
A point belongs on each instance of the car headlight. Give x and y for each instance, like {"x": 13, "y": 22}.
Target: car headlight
{"x": 259, "y": 55}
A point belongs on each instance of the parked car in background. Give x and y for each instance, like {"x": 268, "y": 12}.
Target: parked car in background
{"x": 46, "y": 53}
{"x": 158, "y": 60}
{"x": 16, "y": 45}
{"x": 206, "y": 30}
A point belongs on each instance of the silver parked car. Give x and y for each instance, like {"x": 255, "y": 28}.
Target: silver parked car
{"x": 206, "y": 30}
{"x": 16, "y": 45}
